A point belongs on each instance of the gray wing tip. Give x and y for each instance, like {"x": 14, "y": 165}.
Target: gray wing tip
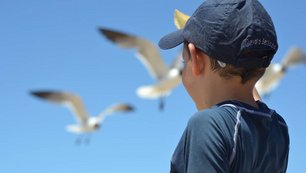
{"x": 111, "y": 34}
{"x": 129, "y": 108}
{"x": 103, "y": 30}
{"x": 41, "y": 93}
{"x": 108, "y": 33}
{"x": 123, "y": 107}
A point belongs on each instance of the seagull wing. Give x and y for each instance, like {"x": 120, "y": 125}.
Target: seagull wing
{"x": 294, "y": 56}
{"x": 147, "y": 52}
{"x": 121, "y": 107}
{"x": 73, "y": 102}
{"x": 180, "y": 19}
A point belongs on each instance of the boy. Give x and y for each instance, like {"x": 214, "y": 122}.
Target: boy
{"x": 227, "y": 46}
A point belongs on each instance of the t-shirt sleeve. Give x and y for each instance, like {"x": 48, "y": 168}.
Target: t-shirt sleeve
{"x": 204, "y": 146}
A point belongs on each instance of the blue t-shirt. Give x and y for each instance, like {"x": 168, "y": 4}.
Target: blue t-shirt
{"x": 233, "y": 137}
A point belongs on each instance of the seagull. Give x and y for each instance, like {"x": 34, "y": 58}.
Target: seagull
{"x": 275, "y": 72}
{"x": 85, "y": 123}
{"x": 168, "y": 77}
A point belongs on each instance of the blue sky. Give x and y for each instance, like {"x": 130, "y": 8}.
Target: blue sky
{"x": 54, "y": 44}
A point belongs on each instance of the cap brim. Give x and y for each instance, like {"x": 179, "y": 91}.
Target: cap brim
{"x": 171, "y": 40}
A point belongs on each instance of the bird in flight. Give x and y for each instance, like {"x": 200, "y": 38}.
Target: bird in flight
{"x": 276, "y": 71}
{"x": 168, "y": 77}
{"x": 85, "y": 124}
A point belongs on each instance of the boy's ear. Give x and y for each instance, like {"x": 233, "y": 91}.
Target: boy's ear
{"x": 197, "y": 61}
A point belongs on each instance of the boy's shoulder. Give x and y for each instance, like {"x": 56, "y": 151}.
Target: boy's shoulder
{"x": 215, "y": 113}
{"x": 225, "y": 114}
{"x": 217, "y": 118}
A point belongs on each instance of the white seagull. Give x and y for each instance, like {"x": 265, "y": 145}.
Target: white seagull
{"x": 275, "y": 72}
{"x": 85, "y": 123}
{"x": 168, "y": 77}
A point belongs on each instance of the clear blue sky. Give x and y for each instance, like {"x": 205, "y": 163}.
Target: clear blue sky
{"x": 54, "y": 44}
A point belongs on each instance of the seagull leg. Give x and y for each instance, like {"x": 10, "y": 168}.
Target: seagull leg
{"x": 87, "y": 139}
{"x": 78, "y": 140}
{"x": 161, "y": 103}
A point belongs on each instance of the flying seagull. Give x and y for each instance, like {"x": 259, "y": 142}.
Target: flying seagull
{"x": 85, "y": 123}
{"x": 275, "y": 72}
{"x": 168, "y": 77}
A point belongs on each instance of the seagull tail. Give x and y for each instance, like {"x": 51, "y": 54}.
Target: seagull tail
{"x": 152, "y": 92}
{"x": 74, "y": 129}
{"x": 160, "y": 89}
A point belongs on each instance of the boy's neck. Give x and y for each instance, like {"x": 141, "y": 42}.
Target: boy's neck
{"x": 217, "y": 91}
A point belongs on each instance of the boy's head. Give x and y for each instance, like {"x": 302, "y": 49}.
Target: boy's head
{"x": 238, "y": 33}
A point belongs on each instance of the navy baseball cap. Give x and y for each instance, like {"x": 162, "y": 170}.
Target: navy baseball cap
{"x": 228, "y": 30}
